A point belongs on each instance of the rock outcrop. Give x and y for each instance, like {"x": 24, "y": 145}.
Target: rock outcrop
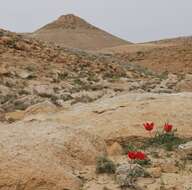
{"x": 45, "y": 155}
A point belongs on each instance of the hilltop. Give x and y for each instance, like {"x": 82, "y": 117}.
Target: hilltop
{"x": 33, "y": 71}
{"x": 74, "y": 32}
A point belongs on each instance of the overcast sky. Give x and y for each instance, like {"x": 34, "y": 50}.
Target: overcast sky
{"x": 134, "y": 20}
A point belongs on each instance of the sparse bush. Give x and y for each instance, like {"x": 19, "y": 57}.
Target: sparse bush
{"x": 163, "y": 76}
{"x": 127, "y": 174}
{"x": 105, "y": 165}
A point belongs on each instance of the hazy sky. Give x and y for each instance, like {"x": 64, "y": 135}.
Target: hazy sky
{"x": 134, "y": 20}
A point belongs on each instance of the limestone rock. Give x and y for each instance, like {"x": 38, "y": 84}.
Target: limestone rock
{"x": 169, "y": 167}
{"x": 186, "y": 149}
{"x": 44, "y": 90}
{"x": 5, "y": 91}
{"x": 154, "y": 172}
{"x": 23, "y": 74}
{"x": 184, "y": 85}
{"x": 43, "y": 155}
{"x": 115, "y": 149}
{"x": 43, "y": 107}
{"x": 14, "y": 116}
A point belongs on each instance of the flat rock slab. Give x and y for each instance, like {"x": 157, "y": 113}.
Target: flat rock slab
{"x": 123, "y": 116}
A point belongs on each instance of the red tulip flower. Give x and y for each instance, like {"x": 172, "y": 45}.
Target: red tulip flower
{"x": 149, "y": 126}
{"x": 136, "y": 155}
{"x": 141, "y": 156}
{"x": 168, "y": 127}
{"x": 132, "y": 155}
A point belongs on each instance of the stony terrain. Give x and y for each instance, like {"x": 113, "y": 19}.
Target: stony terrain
{"x": 32, "y": 71}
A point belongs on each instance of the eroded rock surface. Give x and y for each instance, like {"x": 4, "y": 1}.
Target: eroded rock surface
{"x": 51, "y": 150}
{"x": 44, "y": 155}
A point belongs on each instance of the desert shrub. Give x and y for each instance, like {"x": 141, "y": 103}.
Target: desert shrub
{"x": 163, "y": 76}
{"x": 105, "y": 165}
{"x": 62, "y": 76}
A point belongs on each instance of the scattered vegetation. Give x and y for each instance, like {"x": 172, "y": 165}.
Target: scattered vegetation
{"x": 166, "y": 138}
{"x": 169, "y": 141}
{"x": 105, "y": 165}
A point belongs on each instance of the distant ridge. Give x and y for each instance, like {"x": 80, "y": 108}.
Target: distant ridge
{"x": 73, "y": 31}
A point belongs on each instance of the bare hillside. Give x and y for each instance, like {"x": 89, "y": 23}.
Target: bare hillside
{"x": 170, "y": 55}
{"x": 72, "y": 31}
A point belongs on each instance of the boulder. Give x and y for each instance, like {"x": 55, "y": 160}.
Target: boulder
{"x": 115, "y": 149}
{"x": 184, "y": 85}
{"x": 186, "y": 149}
{"x": 24, "y": 74}
{"x": 154, "y": 172}
{"x": 4, "y": 90}
{"x": 45, "y": 107}
{"x": 169, "y": 167}
{"x": 42, "y": 107}
{"x": 43, "y": 90}
{"x": 14, "y": 116}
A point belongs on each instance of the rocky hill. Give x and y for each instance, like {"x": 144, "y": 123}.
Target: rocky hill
{"x": 33, "y": 72}
{"x": 171, "y": 55}
{"x": 72, "y": 31}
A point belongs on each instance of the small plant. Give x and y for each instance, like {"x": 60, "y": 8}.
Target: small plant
{"x": 105, "y": 165}
{"x": 62, "y": 76}
{"x": 163, "y": 76}
{"x": 78, "y": 82}
{"x": 128, "y": 148}
{"x": 166, "y": 138}
{"x": 145, "y": 162}
{"x": 138, "y": 157}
